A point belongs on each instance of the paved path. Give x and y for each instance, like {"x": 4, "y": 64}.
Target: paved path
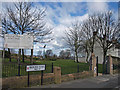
{"x": 105, "y": 81}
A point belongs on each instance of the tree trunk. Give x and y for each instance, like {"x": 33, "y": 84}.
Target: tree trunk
{"x": 22, "y": 55}
{"x": 9, "y": 54}
{"x": 87, "y": 56}
{"x": 76, "y": 54}
{"x": 92, "y": 51}
{"x": 31, "y": 60}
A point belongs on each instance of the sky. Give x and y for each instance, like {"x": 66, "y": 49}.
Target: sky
{"x": 61, "y": 15}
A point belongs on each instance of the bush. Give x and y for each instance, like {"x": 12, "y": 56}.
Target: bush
{"x": 6, "y": 54}
{"x": 36, "y": 58}
{"x": 52, "y": 59}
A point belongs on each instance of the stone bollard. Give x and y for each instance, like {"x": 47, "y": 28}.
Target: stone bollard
{"x": 94, "y": 68}
{"x": 110, "y": 65}
{"x": 57, "y": 73}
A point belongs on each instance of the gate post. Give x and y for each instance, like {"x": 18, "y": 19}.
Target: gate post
{"x": 57, "y": 73}
{"x": 94, "y": 65}
{"x": 110, "y": 65}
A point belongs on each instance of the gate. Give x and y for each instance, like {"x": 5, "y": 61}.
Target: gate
{"x": 97, "y": 65}
{"x": 90, "y": 63}
{"x": 106, "y": 66}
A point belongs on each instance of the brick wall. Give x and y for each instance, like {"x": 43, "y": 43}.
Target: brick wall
{"x": 21, "y": 81}
{"x": 69, "y": 77}
{"x": 17, "y": 82}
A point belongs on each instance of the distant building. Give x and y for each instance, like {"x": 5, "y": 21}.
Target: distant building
{"x": 1, "y": 39}
{"x": 114, "y": 51}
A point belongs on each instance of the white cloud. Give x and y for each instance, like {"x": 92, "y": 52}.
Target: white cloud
{"x": 94, "y": 7}
{"x": 63, "y": 19}
{"x": 68, "y": 20}
{"x": 60, "y": 0}
{"x": 59, "y": 18}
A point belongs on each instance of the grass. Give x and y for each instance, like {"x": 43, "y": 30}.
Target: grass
{"x": 67, "y": 67}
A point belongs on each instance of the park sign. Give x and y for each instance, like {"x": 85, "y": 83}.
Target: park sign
{"x": 35, "y": 68}
{"x": 18, "y": 41}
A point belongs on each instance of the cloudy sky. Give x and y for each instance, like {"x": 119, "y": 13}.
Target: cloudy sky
{"x": 60, "y": 15}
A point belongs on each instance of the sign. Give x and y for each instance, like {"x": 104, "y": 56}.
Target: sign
{"x": 18, "y": 41}
{"x": 35, "y": 67}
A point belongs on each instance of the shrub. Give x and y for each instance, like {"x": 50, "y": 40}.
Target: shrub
{"x": 6, "y": 54}
{"x": 52, "y": 59}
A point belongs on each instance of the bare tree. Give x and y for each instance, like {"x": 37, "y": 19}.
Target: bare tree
{"x": 23, "y": 18}
{"x": 89, "y": 32}
{"x": 73, "y": 38}
{"x": 39, "y": 53}
{"x": 61, "y": 54}
{"x": 65, "y": 54}
{"x": 108, "y": 32}
{"x": 49, "y": 53}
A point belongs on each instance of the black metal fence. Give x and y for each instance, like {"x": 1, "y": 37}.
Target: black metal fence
{"x": 14, "y": 69}
{"x": 10, "y": 69}
{"x": 116, "y": 66}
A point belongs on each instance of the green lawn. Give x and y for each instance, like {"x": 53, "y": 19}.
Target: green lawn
{"x": 67, "y": 67}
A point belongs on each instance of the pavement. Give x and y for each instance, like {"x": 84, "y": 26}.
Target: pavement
{"x": 0, "y": 83}
{"x": 104, "y": 81}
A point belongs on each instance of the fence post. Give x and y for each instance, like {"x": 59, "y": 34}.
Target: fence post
{"x": 42, "y": 77}
{"x": 52, "y": 67}
{"x": 78, "y": 68}
{"x": 18, "y": 69}
{"x": 28, "y": 79}
{"x": 97, "y": 64}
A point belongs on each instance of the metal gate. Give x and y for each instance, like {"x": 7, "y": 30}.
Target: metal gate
{"x": 106, "y": 66}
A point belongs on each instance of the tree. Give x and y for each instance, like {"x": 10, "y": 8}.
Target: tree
{"x": 89, "y": 32}
{"x": 65, "y": 54}
{"x": 12, "y": 51}
{"x": 55, "y": 56}
{"x": 49, "y": 53}
{"x": 23, "y": 18}
{"x": 61, "y": 54}
{"x": 5, "y": 31}
{"x": 73, "y": 38}
{"x": 39, "y": 53}
{"x": 108, "y": 32}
